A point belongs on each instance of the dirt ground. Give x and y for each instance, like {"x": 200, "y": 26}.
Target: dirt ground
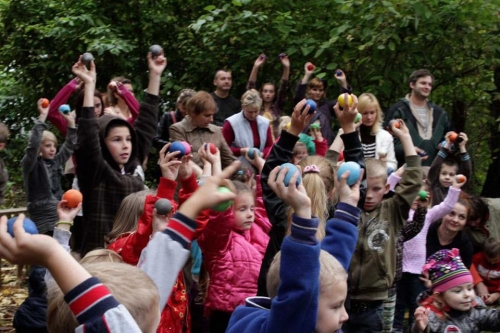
{"x": 11, "y": 295}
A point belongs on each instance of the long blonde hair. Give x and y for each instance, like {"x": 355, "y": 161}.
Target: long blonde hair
{"x": 126, "y": 219}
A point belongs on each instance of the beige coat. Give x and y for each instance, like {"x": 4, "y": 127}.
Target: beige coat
{"x": 196, "y": 136}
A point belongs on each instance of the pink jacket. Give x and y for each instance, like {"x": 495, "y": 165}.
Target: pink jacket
{"x": 233, "y": 258}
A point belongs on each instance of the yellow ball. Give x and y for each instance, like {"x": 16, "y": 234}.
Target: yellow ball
{"x": 341, "y": 100}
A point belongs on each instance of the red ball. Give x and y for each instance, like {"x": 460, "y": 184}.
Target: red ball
{"x": 212, "y": 147}
{"x": 310, "y": 67}
{"x": 45, "y": 103}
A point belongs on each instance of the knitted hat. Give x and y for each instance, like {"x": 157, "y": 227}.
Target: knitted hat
{"x": 446, "y": 270}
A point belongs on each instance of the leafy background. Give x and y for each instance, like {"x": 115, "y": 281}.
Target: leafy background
{"x": 377, "y": 43}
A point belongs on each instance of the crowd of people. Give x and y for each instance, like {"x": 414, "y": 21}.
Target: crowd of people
{"x": 264, "y": 233}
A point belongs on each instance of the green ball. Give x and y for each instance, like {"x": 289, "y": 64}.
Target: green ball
{"x": 422, "y": 195}
{"x": 358, "y": 118}
{"x": 220, "y": 207}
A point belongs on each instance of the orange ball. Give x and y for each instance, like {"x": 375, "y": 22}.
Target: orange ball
{"x": 394, "y": 123}
{"x": 461, "y": 179}
{"x": 45, "y": 102}
{"x": 453, "y": 136}
{"x": 73, "y": 198}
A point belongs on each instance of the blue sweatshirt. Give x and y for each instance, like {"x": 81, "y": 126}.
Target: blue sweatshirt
{"x": 295, "y": 308}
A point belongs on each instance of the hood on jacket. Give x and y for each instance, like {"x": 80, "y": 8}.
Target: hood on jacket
{"x": 105, "y": 123}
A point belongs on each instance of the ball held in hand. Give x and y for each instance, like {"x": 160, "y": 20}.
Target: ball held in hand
{"x": 461, "y": 179}
{"x": 310, "y": 67}
{"x": 222, "y": 206}
{"x": 341, "y": 100}
{"x": 354, "y": 172}
{"x": 453, "y": 136}
{"x": 155, "y": 50}
{"x": 423, "y": 195}
{"x": 45, "y": 102}
{"x": 64, "y": 109}
{"x": 212, "y": 147}
{"x": 282, "y": 55}
{"x": 291, "y": 170}
{"x": 358, "y": 118}
{"x": 312, "y": 106}
{"x": 28, "y": 225}
{"x": 73, "y": 198}
{"x": 177, "y": 146}
{"x": 394, "y": 123}
{"x": 87, "y": 57}
{"x": 163, "y": 207}
{"x": 253, "y": 152}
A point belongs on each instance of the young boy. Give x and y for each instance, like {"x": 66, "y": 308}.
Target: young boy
{"x": 4, "y": 176}
{"x": 91, "y": 301}
{"x": 307, "y": 288}
{"x": 42, "y": 170}
{"x": 109, "y": 154}
{"x": 373, "y": 266}
{"x": 447, "y": 165}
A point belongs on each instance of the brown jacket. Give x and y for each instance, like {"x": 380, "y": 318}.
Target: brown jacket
{"x": 196, "y": 136}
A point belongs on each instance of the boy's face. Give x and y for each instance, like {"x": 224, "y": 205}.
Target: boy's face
{"x": 331, "y": 311}
{"x": 48, "y": 149}
{"x": 119, "y": 143}
{"x": 376, "y": 188}
{"x": 447, "y": 174}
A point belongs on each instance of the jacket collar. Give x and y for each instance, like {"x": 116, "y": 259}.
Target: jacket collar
{"x": 258, "y": 302}
{"x": 188, "y": 126}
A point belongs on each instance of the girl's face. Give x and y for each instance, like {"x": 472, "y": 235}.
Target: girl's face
{"x": 203, "y": 119}
{"x": 268, "y": 93}
{"x": 298, "y": 154}
{"x": 446, "y": 175}
{"x": 455, "y": 220}
{"x": 243, "y": 211}
{"x": 368, "y": 117}
{"x": 48, "y": 149}
{"x": 97, "y": 107}
{"x": 316, "y": 93}
{"x": 460, "y": 297}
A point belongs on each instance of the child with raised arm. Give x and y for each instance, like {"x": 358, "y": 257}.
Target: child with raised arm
{"x": 110, "y": 153}
{"x": 373, "y": 266}
{"x": 272, "y": 103}
{"x": 452, "y": 306}
{"x": 447, "y": 165}
{"x": 307, "y": 280}
{"x": 42, "y": 170}
{"x": 91, "y": 302}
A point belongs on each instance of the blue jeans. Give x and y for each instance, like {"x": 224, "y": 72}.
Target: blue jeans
{"x": 408, "y": 289}
{"x": 365, "y": 317}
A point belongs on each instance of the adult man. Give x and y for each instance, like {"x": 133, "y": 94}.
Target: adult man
{"x": 226, "y": 105}
{"x": 428, "y": 123}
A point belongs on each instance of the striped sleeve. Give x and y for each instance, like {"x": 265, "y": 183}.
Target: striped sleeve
{"x": 181, "y": 229}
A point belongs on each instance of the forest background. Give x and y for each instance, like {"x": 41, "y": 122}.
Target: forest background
{"x": 377, "y": 43}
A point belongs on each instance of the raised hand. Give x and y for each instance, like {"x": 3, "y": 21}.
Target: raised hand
{"x": 168, "y": 163}
{"x": 300, "y": 118}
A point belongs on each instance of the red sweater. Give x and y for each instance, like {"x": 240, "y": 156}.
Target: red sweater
{"x": 228, "y": 133}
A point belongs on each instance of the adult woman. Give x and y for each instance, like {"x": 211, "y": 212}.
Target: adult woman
{"x": 246, "y": 129}
{"x": 272, "y": 103}
{"x": 315, "y": 90}
{"x": 197, "y": 128}
{"x": 121, "y": 99}
{"x": 449, "y": 233}
{"x": 172, "y": 117}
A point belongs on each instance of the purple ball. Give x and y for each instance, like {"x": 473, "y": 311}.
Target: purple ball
{"x": 282, "y": 55}
{"x": 177, "y": 146}
{"x": 291, "y": 170}
{"x": 28, "y": 225}
{"x": 354, "y": 170}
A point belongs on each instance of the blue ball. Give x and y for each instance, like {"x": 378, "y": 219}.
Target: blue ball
{"x": 29, "y": 226}
{"x": 64, "y": 108}
{"x": 291, "y": 170}
{"x": 253, "y": 152}
{"x": 354, "y": 170}
{"x": 312, "y": 105}
{"x": 177, "y": 146}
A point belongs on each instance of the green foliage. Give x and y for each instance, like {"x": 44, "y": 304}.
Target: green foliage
{"x": 377, "y": 43}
